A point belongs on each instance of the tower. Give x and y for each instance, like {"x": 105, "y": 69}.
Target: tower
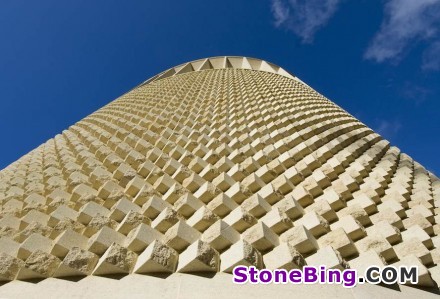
{"x": 215, "y": 163}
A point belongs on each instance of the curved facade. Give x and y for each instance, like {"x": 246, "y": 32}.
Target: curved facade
{"x": 216, "y": 163}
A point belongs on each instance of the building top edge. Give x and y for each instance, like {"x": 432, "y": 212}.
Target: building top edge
{"x": 222, "y": 62}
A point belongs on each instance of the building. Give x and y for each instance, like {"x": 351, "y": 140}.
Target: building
{"x": 211, "y": 164}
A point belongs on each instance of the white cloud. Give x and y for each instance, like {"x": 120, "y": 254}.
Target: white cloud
{"x": 413, "y": 91}
{"x": 405, "y": 23}
{"x": 388, "y": 129}
{"x": 280, "y": 12}
{"x": 303, "y": 17}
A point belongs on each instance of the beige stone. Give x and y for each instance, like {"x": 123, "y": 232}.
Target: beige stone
{"x": 202, "y": 219}
{"x": 413, "y": 247}
{"x": 9, "y": 246}
{"x": 33, "y": 243}
{"x": 351, "y": 226}
{"x": 139, "y": 238}
{"x": 277, "y": 220}
{"x": 39, "y": 264}
{"x": 241, "y": 253}
{"x": 9, "y": 267}
{"x": 220, "y": 235}
{"x": 222, "y": 205}
{"x": 261, "y": 237}
{"x": 284, "y": 256}
{"x": 156, "y": 258}
{"x": 424, "y": 278}
{"x": 166, "y": 219}
{"x": 77, "y": 262}
{"x": 121, "y": 208}
{"x": 98, "y": 222}
{"x": 328, "y": 257}
{"x": 300, "y": 238}
{"x": 131, "y": 221}
{"x": 340, "y": 241}
{"x": 316, "y": 224}
{"x": 34, "y": 216}
{"x": 240, "y": 219}
{"x": 379, "y": 244}
{"x": 187, "y": 204}
{"x": 367, "y": 259}
{"x": 180, "y": 236}
{"x": 256, "y": 205}
{"x": 154, "y": 206}
{"x": 115, "y": 260}
{"x": 89, "y": 210}
{"x": 227, "y": 161}
{"x": 66, "y": 241}
{"x": 61, "y": 212}
{"x": 103, "y": 239}
{"x": 199, "y": 257}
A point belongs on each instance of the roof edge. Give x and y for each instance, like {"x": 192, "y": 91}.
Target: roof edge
{"x": 222, "y": 62}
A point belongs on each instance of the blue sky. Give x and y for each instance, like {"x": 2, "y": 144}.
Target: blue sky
{"x": 62, "y": 60}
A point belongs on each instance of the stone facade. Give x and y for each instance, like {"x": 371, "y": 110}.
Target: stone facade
{"x": 212, "y": 164}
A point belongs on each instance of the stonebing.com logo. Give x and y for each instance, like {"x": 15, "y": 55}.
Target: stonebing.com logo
{"x": 348, "y": 278}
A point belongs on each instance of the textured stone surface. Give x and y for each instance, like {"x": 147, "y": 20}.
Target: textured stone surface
{"x": 213, "y": 164}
